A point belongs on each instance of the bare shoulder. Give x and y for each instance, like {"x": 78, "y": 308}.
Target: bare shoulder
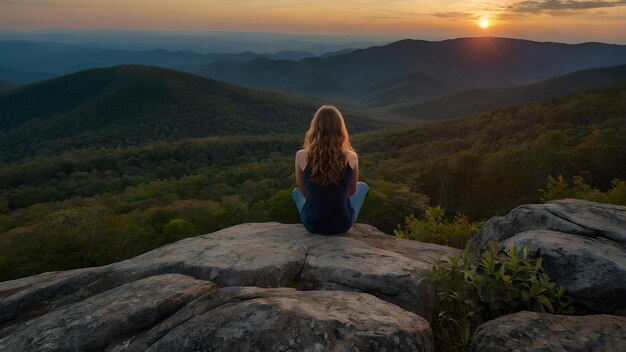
{"x": 301, "y": 158}
{"x": 352, "y": 157}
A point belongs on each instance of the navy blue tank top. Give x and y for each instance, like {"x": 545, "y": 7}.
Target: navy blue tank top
{"x": 327, "y": 209}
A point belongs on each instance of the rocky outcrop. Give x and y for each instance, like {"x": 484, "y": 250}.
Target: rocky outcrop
{"x": 593, "y": 270}
{"x": 160, "y": 313}
{"x": 573, "y": 216}
{"x": 270, "y": 286}
{"x": 283, "y": 319}
{"x": 529, "y": 331}
{"x": 583, "y": 245}
{"x": 374, "y": 295}
{"x": 93, "y": 323}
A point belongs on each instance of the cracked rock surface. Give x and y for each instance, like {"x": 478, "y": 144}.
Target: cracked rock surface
{"x": 283, "y": 319}
{"x": 361, "y": 291}
{"x": 573, "y": 216}
{"x": 93, "y": 323}
{"x": 582, "y": 243}
{"x": 530, "y": 331}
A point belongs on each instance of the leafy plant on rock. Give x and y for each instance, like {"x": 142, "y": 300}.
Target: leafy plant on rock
{"x": 471, "y": 291}
{"x": 435, "y": 229}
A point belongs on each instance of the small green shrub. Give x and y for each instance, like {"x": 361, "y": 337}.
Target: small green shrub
{"x": 435, "y": 229}
{"x": 176, "y": 229}
{"x": 559, "y": 188}
{"x": 499, "y": 282}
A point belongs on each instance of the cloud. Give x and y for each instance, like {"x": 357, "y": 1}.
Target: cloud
{"x": 455, "y": 15}
{"x": 386, "y": 17}
{"x": 558, "y": 7}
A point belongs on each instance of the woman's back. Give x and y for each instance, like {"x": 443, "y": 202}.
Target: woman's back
{"x": 327, "y": 208}
{"x": 327, "y": 171}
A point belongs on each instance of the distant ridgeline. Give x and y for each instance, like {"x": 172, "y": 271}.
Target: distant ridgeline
{"x": 404, "y": 72}
{"x": 77, "y": 189}
{"x": 413, "y": 71}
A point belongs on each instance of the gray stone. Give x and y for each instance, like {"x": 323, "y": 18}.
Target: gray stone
{"x": 574, "y": 216}
{"x": 593, "y": 270}
{"x": 583, "y": 245}
{"x": 283, "y": 319}
{"x": 95, "y": 322}
{"x": 534, "y": 332}
{"x": 348, "y": 263}
{"x": 35, "y": 295}
{"x": 262, "y": 255}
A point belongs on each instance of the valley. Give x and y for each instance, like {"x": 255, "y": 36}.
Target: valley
{"x": 106, "y": 163}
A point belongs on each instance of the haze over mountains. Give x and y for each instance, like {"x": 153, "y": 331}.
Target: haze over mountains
{"x": 407, "y": 71}
{"x": 25, "y": 62}
{"x": 378, "y": 87}
{"x": 200, "y": 42}
{"x": 431, "y": 68}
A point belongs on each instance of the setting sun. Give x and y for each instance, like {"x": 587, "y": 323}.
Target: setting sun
{"x": 484, "y": 23}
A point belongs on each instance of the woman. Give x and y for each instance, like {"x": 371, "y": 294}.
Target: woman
{"x": 328, "y": 196}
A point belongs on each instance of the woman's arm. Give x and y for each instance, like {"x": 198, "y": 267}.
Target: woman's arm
{"x": 300, "y": 160}
{"x": 353, "y": 160}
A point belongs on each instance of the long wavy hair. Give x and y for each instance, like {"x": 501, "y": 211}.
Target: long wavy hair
{"x": 326, "y": 142}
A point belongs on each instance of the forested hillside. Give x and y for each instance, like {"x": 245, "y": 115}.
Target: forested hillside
{"x": 485, "y": 99}
{"x": 6, "y": 86}
{"x": 487, "y": 164}
{"x": 104, "y": 204}
{"x": 133, "y": 105}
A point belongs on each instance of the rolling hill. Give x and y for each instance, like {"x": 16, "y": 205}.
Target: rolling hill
{"x": 7, "y": 86}
{"x": 490, "y": 162}
{"x": 26, "y": 62}
{"x": 481, "y": 166}
{"x": 130, "y": 105}
{"x": 478, "y": 100}
{"x": 415, "y": 86}
{"x": 458, "y": 64}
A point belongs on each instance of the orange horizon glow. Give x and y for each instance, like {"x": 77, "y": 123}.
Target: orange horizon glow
{"x": 541, "y": 19}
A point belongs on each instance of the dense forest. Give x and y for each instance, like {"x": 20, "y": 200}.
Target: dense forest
{"x": 487, "y": 164}
{"x": 486, "y": 99}
{"x": 135, "y": 105}
{"x": 101, "y": 204}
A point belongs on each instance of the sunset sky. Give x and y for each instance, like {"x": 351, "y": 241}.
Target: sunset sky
{"x": 560, "y": 20}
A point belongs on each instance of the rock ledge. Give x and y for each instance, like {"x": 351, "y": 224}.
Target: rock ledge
{"x": 361, "y": 291}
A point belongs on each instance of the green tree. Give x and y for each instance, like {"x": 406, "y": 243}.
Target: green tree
{"x": 176, "y": 229}
{"x": 435, "y": 229}
{"x": 559, "y": 188}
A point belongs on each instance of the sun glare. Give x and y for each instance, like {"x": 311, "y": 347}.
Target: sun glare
{"x": 484, "y": 23}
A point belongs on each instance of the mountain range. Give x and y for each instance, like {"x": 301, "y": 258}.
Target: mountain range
{"x": 126, "y": 105}
{"x": 200, "y": 42}
{"x": 485, "y": 99}
{"x": 378, "y": 87}
{"x": 133, "y": 104}
{"x": 413, "y": 71}
{"x": 140, "y": 149}
{"x": 25, "y": 62}
{"x": 403, "y": 72}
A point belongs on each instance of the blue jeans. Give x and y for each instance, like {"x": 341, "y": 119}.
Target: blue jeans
{"x": 356, "y": 199}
